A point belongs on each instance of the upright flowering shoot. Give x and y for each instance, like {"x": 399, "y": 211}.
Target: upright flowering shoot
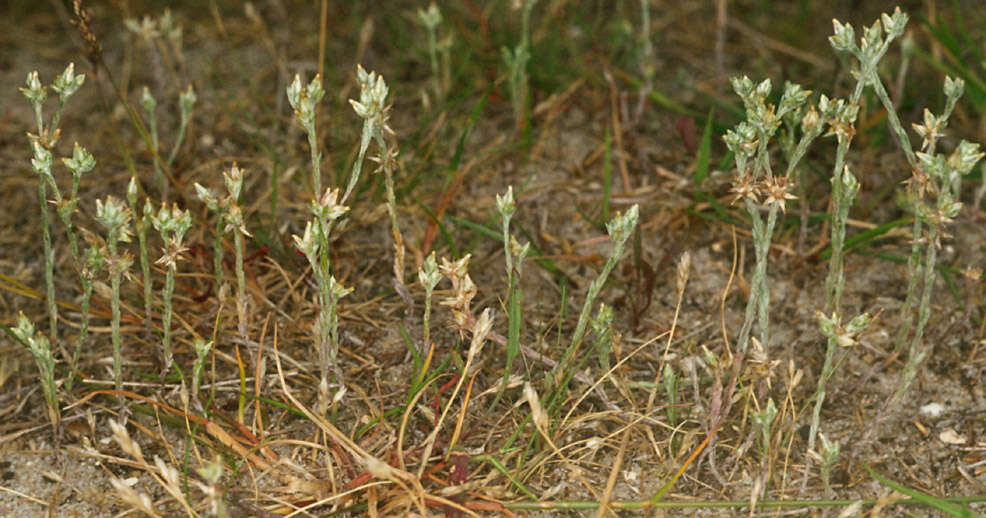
{"x": 756, "y": 182}
{"x": 114, "y": 216}
{"x": 314, "y": 244}
{"x": 172, "y": 224}
{"x": 373, "y": 109}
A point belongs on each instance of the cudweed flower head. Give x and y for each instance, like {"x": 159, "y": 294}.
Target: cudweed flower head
{"x": 168, "y": 26}
{"x": 337, "y": 289}
{"x": 172, "y": 221}
{"x": 793, "y": 98}
{"x": 604, "y": 318}
{"x": 843, "y": 37}
{"x": 81, "y": 162}
{"x": 894, "y": 25}
{"x": 372, "y": 95}
{"x": 40, "y": 348}
{"x": 619, "y": 228}
{"x": 146, "y": 28}
{"x": 934, "y": 165}
{"x": 965, "y": 157}
{"x": 480, "y": 330}
{"x": 307, "y": 243}
{"x": 186, "y": 101}
{"x": 430, "y": 18}
{"x": 304, "y": 100}
{"x": 67, "y": 83}
{"x": 429, "y": 275}
{"x": 463, "y": 290}
{"x": 830, "y": 450}
{"x": 42, "y": 160}
{"x": 147, "y": 101}
{"x": 132, "y": 191}
{"x": 35, "y": 91}
{"x": 845, "y": 336}
{"x": 841, "y": 117}
{"x": 505, "y": 204}
{"x": 777, "y": 190}
{"x": 234, "y": 216}
{"x": 519, "y": 251}
{"x": 742, "y": 141}
{"x": 234, "y": 183}
{"x": 811, "y": 122}
{"x": 115, "y": 217}
{"x": 205, "y": 195}
{"x": 327, "y": 207}
{"x": 931, "y": 130}
{"x": 954, "y": 87}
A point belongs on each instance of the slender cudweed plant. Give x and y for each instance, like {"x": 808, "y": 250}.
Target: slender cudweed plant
{"x": 830, "y": 453}
{"x": 749, "y": 142}
{"x": 619, "y": 228}
{"x": 428, "y": 277}
{"x": 141, "y": 222}
{"x": 314, "y": 243}
{"x": 230, "y": 216}
{"x": 172, "y": 225}
{"x": 514, "y": 254}
{"x": 202, "y": 349}
{"x": 186, "y": 104}
{"x": 115, "y": 218}
{"x": 81, "y": 162}
{"x": 932, "y": 173}
{"x": 431, "y": 19}
{"x": 40, "y": 348}
{"x": 762, "y": 420}
{"x": 329, "y": 292}
{"x": 149, "y": 104}
{"x": 837, "y": 335}
{"x": 939, "y": 170}
{"x": 516, "y": 61}
{"x": 374, "y": 111}
{"x": 42, "y": 143}
{"x": 304, "y": 100}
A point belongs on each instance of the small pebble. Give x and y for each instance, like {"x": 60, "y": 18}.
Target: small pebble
{"x": 932, "y": 410}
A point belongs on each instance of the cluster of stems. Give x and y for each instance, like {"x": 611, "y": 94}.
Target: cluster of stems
{"x": 186, "y": 103}
{"x": 756, "y": 179}
{"x": 229, "y": 216}
{"x": 42, "y": 145}
{"x": 314, "y": 244}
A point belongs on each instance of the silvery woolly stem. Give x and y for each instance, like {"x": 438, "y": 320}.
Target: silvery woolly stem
{"x": 431, "y": 18}
{"x": 619, "y": 229}
{"x": 81, "y": 162}
{"x": 186, "y": 103}
{"x": 202, "y": 349}
{"x": 149, "y": 105}
{"x": 172, "y": 225}
{"x": 429, "y": 277}
{"x": 115, "y": 217}
{"x": 140, "y": 225}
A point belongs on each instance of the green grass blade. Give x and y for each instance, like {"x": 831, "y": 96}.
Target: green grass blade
{"x": 946, "y": 507}
{"x": 704, "y": 149}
